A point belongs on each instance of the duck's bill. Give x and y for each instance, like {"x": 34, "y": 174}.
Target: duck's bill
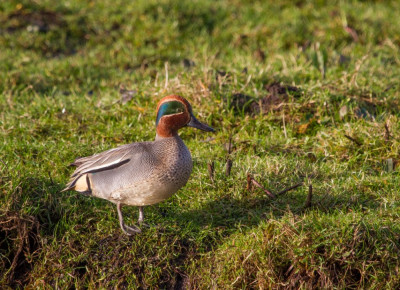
{"x": 197, "y": 124}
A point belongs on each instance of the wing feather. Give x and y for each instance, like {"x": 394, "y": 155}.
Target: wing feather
{"x": 104, "y": 161}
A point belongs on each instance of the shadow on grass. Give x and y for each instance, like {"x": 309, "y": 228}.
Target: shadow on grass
{"x": 28, "y": 241}
{"x": 232, "y": 214}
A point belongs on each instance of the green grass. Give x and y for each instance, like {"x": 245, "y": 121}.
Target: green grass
{"x": 61, "y": 69}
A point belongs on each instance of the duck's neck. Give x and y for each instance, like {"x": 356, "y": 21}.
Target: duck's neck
{"x": 160, "y": 137}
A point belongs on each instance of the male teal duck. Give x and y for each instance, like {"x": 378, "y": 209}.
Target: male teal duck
{"x": 142, "y": 173}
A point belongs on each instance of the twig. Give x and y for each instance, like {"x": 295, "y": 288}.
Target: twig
{"x": 228, "y": 167}
{"x": 251, "y": 180}
{"x": 209, "y": 139}
{"x": 5, "y": 165}
{"x": 248, "y": 257}
{"x": 228, "y": 160}
{"x": 289, "y": 270}
{"x": 166, "y": 75}
{"x": 270, "y": 194}
{"x": 284, "y": 126}
{"x": 237, "y": 279}
{"x": 309, "y": 197}
{"x": 353, "y": 80}
{"x": 51, "y": 179}
{"x": 248, "y": 187}
{"x": 289, "y": 188}
{"x": 210, "y": 167}
{"x": 352, "y": 139}
{"x": 387, "y": 135}
{"x": 229, "y": 149}
{"x": 352, "y": 33}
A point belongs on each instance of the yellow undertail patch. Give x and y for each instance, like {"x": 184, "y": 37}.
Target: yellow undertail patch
{"x": 83, "y": 184}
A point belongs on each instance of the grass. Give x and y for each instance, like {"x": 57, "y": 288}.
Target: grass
{"x": 284, "y": 82}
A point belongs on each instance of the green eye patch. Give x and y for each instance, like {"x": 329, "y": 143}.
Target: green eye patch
{"x": 169, "y": 108}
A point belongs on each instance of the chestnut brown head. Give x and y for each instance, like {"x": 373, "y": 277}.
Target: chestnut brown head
{"x": 173, "y": 113}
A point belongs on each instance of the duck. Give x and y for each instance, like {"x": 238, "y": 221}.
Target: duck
{"x": 141, "y": 173}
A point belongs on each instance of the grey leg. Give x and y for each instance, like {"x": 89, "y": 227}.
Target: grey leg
{"x": 141, "y": 215}
{"x": 126, "y": 229}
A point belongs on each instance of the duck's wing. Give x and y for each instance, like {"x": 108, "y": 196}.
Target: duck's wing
{"x": 103, "y": 161}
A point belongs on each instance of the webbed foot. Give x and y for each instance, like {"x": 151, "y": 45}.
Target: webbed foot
{"x": 128, "y": 230}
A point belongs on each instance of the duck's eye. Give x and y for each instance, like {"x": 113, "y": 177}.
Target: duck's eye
{"x": 170, "y": 108}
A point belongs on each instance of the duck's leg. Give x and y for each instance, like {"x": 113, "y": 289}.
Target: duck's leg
{"x": 126, "y": 229}
{"x": 141, "y": 217}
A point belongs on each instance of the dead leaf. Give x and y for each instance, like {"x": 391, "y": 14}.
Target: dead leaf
{"x": 301, "y": 129}
{"x": 140, "y": 109}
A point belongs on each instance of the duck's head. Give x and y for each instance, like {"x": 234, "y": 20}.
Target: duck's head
{"x": 173, "y": 113}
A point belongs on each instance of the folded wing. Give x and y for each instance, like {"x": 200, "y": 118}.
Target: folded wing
{"x": 100, "y": 162}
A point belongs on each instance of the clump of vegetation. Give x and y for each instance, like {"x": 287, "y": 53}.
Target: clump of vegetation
{"x": 303, "y": 93}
